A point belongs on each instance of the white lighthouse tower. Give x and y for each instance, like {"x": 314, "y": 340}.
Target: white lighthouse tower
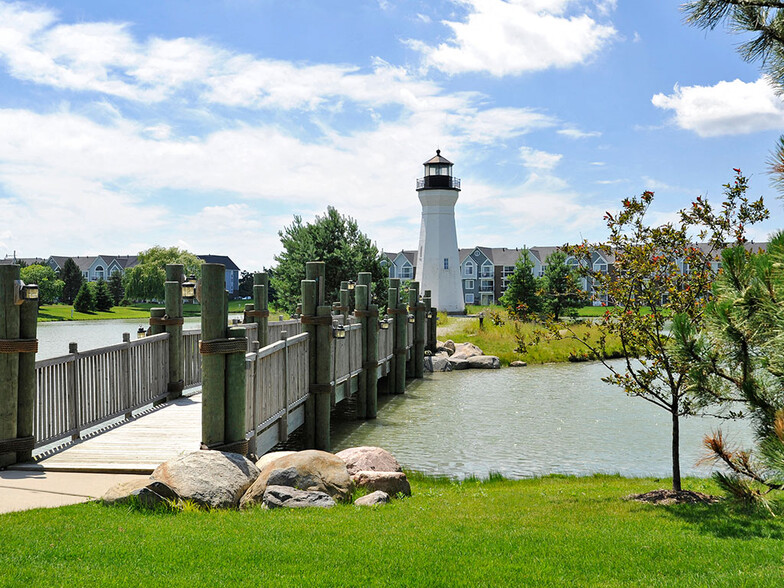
{"x": 438, "y": 261}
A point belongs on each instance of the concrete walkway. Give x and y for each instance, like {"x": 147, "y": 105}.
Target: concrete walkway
{"x": 23, "y": 490}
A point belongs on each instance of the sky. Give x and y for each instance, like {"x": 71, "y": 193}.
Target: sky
{"x": 209, "y": 124}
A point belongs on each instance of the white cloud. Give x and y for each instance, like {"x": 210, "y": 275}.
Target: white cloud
{"x": 727, "y": 108}
{"x": 541, "y": 160}
{"x": 578, "y": 134}
{"x": 517, "y": 36}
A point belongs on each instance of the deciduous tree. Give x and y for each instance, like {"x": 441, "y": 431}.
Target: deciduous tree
{"x": 145, "y": 280}
{"x": 50, "y": 289}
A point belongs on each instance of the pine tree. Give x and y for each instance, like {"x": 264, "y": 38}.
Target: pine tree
{"x": 85, "y": 299}
{"x": 116, "y": 288}
{"x": 103, "y": 298}
{"x": 521, "y": 298}
{"x": 560, "y": 290}
{"x": 72, "y": 279}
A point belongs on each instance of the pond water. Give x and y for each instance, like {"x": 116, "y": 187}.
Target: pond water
{"x": 522, "y": 422}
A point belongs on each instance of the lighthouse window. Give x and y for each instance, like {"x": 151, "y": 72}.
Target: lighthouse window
{"x": 446, "y": 263}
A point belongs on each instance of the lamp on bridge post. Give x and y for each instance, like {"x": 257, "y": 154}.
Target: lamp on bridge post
{"x": 189, "y": 288}
{"x": 383, "y": 324}
{"x": 24, "y": 292}
{"x": 141, "y": 333}
{"x": 338, "y": 331}
{"x": 351, "y": 284}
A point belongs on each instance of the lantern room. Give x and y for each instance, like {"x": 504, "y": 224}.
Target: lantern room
{"x": 438, "y": 174}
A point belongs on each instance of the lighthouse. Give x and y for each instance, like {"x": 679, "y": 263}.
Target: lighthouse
{"x": 438, "y": 261}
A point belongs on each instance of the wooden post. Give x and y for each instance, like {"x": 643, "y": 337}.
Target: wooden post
{"x": 400, "y": 317}
{"x": 283, "y": 435}
{"x": 9, "y": 362}
{"x": 157, "y": 313}
{"x": 213, "y": 366}
{"x": 175, "y": 276}
{"x": 261, "y": 302}
{"x": 74, "y": 409}
{"x": 234, "y": 429}
{"x": 344, "y": 301}
{"x": 323, "y": 386}
{"x": 317, "y": 270}
{"x": 392, "y": 295}
{"x": 428, "y": 302}
{"x": 361, "y": 295}
{"x": 28, "y": 327}
{"x": 125, "y": 367}
{"x": 309, "y": 296}
{"x": 434, "y": 328}
{"x": 370, "y": 347}
{"x": 418, "y": 349}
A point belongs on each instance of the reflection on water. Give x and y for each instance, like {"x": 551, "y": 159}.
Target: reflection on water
{"x": 558, "y": 418}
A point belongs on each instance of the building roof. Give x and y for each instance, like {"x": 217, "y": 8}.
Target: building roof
{"x": 438, "y": 159}
{"x": 27, "y": 260}
{"x": 224, "y": 259}
{"x": 506, "y": 255}
{"x": 82, "y": 262}
{"x": 124, "y": 261}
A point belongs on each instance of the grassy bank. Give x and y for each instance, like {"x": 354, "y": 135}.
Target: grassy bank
{"x": 66, "y": 312}
{"x": 501, "y": 340}
{"x": 542, "y": 532}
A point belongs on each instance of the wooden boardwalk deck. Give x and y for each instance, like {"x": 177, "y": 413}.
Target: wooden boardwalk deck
{"x": 137, "y": 446}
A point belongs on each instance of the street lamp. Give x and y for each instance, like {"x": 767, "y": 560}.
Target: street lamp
{"x": 24, "y": 292}
{"x": 189, "y": 288}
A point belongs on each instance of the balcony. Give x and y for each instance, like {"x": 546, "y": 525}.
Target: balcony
{"x": 447, "y": 182}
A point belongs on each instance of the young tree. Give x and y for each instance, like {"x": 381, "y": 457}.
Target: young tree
{"x": 50, "y": 289}
{"x": 661, "y": 276}
{"x": 245, "y": 287}
{"x": 85, "y": 299}
{"x": 521, "y": 298}
{"x": 116, "y": 288}
{"x": 560, "y": 290}
{"x": 103, "y": 298}
{"x": 332, "y": 238}
{"x": 72, "y": 279}
{"x": 145, "y": 280}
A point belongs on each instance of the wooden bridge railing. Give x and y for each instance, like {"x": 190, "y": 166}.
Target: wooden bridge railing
{"x": 86, "y": 389}
{"x": 276, "y": 388}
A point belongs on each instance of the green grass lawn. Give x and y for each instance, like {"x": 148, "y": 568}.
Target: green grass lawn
{"x": 65, "y": 312}
{"x": 552, "y": 531}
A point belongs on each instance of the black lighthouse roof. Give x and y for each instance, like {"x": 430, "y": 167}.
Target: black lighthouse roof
{"x": 438, "y": 159}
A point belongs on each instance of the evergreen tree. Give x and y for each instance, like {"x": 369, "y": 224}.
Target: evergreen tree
{"x": 334, "y": 239}
{"x": 103, "y": 297}
{"x": 560, "y": 290}
{"x": 72, "y": 279}
{"x": 521, "y": 298}
{"x": 85, "y": 299}
{"x": 116, "y": 288}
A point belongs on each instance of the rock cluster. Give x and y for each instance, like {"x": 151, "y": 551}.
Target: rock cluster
{"x": 459, "y": 356}
{"x": 284, "y": 479}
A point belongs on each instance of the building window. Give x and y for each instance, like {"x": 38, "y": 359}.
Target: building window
{"x": 469, "y": 298}
{"x": 469, "y": 268}
{"x": 446, "y": 263}
{"x": 541, "y": 271}
{"x": 508, "y": 270}
{"x": 391, "y": 271}
{"x": 487, "y": 270}
{"x": 405, "y": 272}
{"x": 469, "y": 284}
{"x": 99, "y": 272}
{"x": 486, "y": 285}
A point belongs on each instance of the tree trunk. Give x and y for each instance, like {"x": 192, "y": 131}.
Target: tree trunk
{"x": 676, "y": 452}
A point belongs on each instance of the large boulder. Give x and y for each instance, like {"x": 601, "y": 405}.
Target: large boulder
{"x": 270, "y": 457}
{"x": 309, "y": 470}
{"x": 373, "y": 499}
{"x": 466, "y": 351}
{"x": 209, "y": 478}
{"x": 368, "y": 458}
{"x": 287, "y": 497}
{"x": 484, "y": 362}
{"x": 437, "y": 363}
{"x": 119, "y": 493}
{"x": 449, "y": 346}
{"x": 393, "y": 483}
{"x": 459, "y": 363}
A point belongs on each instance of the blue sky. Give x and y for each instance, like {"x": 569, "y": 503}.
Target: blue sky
{"x": 209, "y": 124}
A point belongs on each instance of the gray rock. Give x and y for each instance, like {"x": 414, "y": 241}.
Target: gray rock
{"x": 142, "y": 489}
{"x": 305, "y": 470}
{"x": 459, "y": 364}
{"x": 208, "y": 478}
{"x": 270, "y": 457}
{"x": 484, "y": 362}
{"x": 367, "y": 458}
{"x": 438, "y": 363}
{"x": 518, "y": 363}
{"x": 373, "y": 499}
{"x": 449, "y": 346}
{"x": 393, "y": 483}
{"x": 288, "y": 497}
{"x": 466, "y": 351}
{"x": 119, "y": 493}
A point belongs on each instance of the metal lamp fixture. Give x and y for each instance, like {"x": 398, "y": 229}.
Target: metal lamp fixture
{"x": 189, "y": 288}
{"x": 351, "y": 284}
{"x": 411, "y": 319}
{"x": 339, "y": 332}
{"x": 24, "y": 292}
{"x": 383, "y": 324}
{"x": 141, "y": 333}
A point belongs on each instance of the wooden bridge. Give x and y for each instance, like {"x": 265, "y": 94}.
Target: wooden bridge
{"x": 106, "y": 410}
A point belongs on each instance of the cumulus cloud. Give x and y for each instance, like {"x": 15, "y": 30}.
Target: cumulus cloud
{"x": 542, "y": 160}
{"x": 512, "y": 37}
{"x": 727, "y": 108}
